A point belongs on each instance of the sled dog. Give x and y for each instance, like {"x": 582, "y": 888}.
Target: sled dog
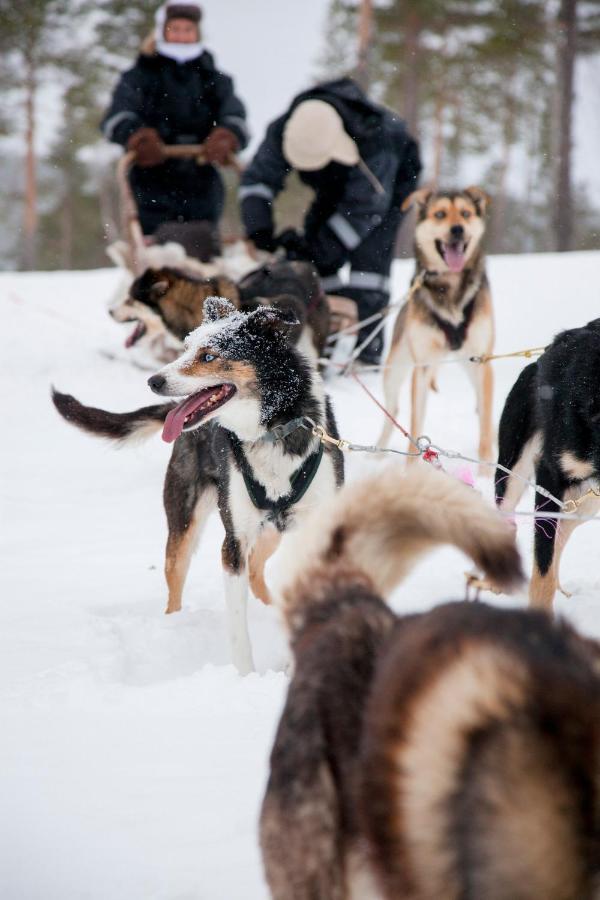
{"x": 169, "y": 302}
{"x": 449, "y": 309}
{"x": 240, "y": 442}
{"x": 447, "y": 754}
{"x": 549, "y": 434}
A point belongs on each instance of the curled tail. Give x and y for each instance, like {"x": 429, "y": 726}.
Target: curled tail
{"x": 380, "y": 527}
{"x": 480, "y": 759}
{"x": 124, "y": 427}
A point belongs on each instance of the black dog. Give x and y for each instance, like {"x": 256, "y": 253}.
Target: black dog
{"x": 550, "y": 429}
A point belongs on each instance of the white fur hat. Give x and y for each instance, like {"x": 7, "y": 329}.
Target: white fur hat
{"x": 314, "y": 135}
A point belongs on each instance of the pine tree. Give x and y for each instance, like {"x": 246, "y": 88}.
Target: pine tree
{"x": 39, "y": 41}
{"x": 578, "y": 32}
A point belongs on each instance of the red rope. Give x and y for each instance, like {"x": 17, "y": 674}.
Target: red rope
{"x": 381, "y": 406}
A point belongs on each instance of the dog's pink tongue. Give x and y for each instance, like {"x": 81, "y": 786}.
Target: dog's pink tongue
{"x": 454, "y": 258}
{"x": 176, "y": 418}
{"x": 135, "y": 335}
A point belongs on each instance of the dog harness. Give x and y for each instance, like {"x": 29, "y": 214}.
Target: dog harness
{"x": 455, "y": 334}
{"x": 300, "y": 480}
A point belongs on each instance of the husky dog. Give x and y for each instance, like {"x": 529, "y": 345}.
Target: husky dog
{"x": 243, "y": 440}
{"x": 449, "y": 310}
{"x": 448, "y": 754}
{"x": 166, "y": 303}
{"x": 550, "y": 432}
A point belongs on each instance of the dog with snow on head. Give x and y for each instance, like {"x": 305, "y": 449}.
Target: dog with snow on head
{"x": 448, "y": 754}
{"x": 449, "y": 310}
{"x": 242, "y": 440}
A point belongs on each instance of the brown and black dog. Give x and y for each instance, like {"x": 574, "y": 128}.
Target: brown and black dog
{"x": 449, "y": 754}
{"x": 167, "y": 303}
{"x": 449, "y": 309}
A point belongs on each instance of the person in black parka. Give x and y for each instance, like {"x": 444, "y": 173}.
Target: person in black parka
{"x": 174, "y": 94}
{"x": 362, "y": 163}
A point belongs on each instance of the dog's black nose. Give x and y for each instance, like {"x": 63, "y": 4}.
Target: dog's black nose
{"x": 457, "y": 231}
{"x": 157, "y": 383}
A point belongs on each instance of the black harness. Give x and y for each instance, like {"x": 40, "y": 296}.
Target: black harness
{"x": 455, "y": 334}
{"x": 300, "y": 480}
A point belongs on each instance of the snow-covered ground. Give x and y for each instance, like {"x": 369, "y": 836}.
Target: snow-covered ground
{"x": 133, "y": 757}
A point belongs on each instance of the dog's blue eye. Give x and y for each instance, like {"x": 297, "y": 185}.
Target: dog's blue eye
{"x": 466, "y": 214}
{"x": 208, "y": 357}
{"x": 440, "y": 214}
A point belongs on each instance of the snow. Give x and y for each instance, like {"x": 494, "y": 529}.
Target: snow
{"x": 133, "y": 757}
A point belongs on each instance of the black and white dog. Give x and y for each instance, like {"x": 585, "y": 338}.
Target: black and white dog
{"x": 550, "y": 430}
{"x": 256, "y": 456}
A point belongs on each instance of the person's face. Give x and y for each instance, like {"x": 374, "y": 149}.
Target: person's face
{"x": 181, "y": 31}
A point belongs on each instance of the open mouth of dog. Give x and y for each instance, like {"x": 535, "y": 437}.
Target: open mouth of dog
{"x": 453, "y": 254}
{"x": 138, "y": 332}
{"x": 194, "y": 408}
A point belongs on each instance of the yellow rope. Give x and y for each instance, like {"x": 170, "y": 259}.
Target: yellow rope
{"x": 528, "y": 354}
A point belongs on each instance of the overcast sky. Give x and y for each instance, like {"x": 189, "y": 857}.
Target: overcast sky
{"x": 271, "y": 47}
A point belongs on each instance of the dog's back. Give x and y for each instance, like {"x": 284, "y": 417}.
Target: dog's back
{"x": 480, "y": 763}
{"x": 291, "y": 280}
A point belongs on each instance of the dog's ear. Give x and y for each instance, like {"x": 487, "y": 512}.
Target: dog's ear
{"x": 419, "y": 198}
{"x": 158, "y": 290}
{"x": 217, "y": 308}
{"x": 479, "y": 198}
{"x": 272, "y": 318}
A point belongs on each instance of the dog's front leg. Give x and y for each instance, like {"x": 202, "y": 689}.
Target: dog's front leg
{"x": 420, "y": 386}
{"x": 236, "y": 600}
{"x": 484, "y": 387}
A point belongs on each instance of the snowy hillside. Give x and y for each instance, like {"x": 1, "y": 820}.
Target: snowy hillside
{"x": 133, "y": 758}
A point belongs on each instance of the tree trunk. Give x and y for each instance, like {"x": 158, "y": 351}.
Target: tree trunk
{"x": 567, "y": 50}
{"x": 498, "y": 229}
{"x": 411, "y": 80}
{"x": 30, "y": 216}
{"x": 66, "y": 228}
{"x": 365, "y": 36}
{"x": 438, "y": 139}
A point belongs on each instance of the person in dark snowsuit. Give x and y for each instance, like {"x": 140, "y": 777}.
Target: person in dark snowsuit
{"x": 174, "y": 94}
{"x": 361, "y": 162}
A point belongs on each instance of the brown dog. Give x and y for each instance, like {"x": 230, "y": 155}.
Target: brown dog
{"x": 167, "y": 303}
{"x": 449, "y": 309}
{"x": 449, "y": 754}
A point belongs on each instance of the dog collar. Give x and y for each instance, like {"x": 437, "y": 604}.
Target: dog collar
{"x": 279, "y": 432}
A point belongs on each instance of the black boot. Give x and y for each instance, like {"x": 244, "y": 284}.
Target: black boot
{"x": 371, "y": 354}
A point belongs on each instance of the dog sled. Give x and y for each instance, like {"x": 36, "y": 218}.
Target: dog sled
{"x": 138, "y": 252}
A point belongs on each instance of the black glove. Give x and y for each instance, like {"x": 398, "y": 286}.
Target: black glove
{"x": 263, "y": 240}
{"x": 294, "y": 244}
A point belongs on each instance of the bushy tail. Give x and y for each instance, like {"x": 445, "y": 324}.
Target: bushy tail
{"x": 381, "y": 526}
{"x": 123, "y": 427}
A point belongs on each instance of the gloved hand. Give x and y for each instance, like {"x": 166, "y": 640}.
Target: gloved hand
{"x": 220, "y": 146}
{"x": 263, "y": 240}
{"x": 147, "y": 146}
{"x": 294, "y": 244}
